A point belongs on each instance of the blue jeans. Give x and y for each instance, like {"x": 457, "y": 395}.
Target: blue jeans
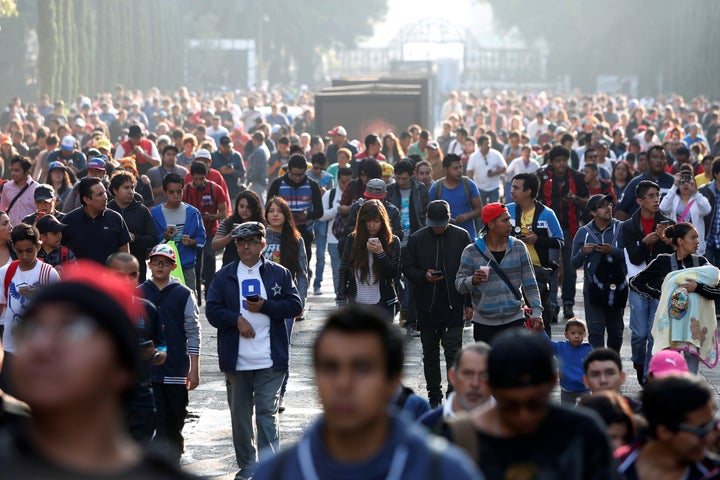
{"x": 489, "y": 196}
{"x": 320, "y": 229}
{"x": 258, "y": 390}
{"x": 642, "y": 316}
{"x": 334, "y": 264}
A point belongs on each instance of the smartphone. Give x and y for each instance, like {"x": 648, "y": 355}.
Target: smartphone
{"x": 373, "y": 239}
{"x": 665, "y": 223}
{"x": 253, "y": 298}
{"x": 436, "y": 273}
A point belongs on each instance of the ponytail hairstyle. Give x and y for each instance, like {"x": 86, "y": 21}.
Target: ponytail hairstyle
{"x": 679, "y": 230}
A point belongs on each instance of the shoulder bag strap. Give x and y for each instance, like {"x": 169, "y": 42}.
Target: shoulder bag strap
{"x": 17, "y": 197}
{"x": 464, "y": 436}
{"x": 500, "y": 273}
{"x": 673, "y": 262}
{"x": 682, "y": 218}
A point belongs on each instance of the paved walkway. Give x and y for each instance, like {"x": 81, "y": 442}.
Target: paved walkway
{"x": 209, "y": 451}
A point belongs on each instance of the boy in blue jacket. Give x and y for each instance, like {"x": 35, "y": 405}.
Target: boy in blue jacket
{"x": 182, "y": 223}
{"x": 571, "y": 352}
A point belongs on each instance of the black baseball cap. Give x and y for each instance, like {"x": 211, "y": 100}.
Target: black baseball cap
{"x": 596, "y": 200}
{"x": 438, "y": 214}
{"x": 48, "y": 223}
{"x": 44, "y": 192}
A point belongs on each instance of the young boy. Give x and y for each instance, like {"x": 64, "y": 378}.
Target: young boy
{"x": 178, "y": 315}
{"x": 571, "y": 354}
{"x": 52, "y": 252}
{"x": 19, "y": 281}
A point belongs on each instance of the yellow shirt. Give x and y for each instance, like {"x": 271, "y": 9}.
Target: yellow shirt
{"x": 526, "y": 224}
{"x": 701, "y": 180}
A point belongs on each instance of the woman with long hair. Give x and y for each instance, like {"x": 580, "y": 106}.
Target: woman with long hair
{"x": 683, "y": 203}
{"x": 370, "y": 261}
{"x": 58, "y": 176}
{"x": 247, "y": 209}
{"x": 392, "y": 149}
{"x": 685, "y": 240}
{"x": 285, "y": 246}
{"x": 621, "y": 175}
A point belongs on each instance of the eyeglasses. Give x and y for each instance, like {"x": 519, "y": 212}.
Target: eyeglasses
{"x": 75, "y": 330}
{"x": 700, "y": 431}
{"x": 160, "y": 263}
{"x": 651, "y": 196}
{"x": 248, "y": 241}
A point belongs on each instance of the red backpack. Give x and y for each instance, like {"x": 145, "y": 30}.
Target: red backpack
{"x": 12, "y": 268}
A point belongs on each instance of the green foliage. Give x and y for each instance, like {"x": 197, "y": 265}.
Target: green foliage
{"x": 8, "y": 8}
{"x": 87, "y": 46}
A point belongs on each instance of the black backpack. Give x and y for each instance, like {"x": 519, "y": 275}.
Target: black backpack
{"x": 608, "y": 285}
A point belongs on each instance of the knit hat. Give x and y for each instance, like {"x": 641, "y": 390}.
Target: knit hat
{"x": 106, "y": 298}
{"x": 128, "y": 163}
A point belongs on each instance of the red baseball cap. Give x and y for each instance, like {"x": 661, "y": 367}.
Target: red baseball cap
{"x": 491, "y": 211}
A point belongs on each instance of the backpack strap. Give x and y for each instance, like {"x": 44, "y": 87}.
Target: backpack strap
{"x": 465, "y": 184}
{"x": 332, "y": 197}
{"x": 9, "y": 274}
{"x": 64, "y": 255}
{"x": 402, "y": 398}
{"x": 463, "y": 434}
{"x": 673, "y": 262}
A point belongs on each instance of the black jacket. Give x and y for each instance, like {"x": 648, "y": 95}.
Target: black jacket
{"x": 633, "y": 233}
{"x": 141, "y": 224}
{"x": 390, "y": 261}
{"x": 418, "y": 203}
{"x": 427, "y": 251}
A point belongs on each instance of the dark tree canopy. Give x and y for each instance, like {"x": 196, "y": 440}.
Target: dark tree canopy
{"x": 85, "y": 46}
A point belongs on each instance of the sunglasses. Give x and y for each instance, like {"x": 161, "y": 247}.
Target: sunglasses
{"x": 700, "y": 431}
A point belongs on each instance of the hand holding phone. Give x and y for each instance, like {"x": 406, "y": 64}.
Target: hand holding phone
{"x": 252, "y": 298}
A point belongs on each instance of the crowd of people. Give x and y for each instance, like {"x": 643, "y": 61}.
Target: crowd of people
{"x": 114, "y": 210}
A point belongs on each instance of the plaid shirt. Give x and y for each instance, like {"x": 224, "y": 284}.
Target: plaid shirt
{"x": 713, "y": 239}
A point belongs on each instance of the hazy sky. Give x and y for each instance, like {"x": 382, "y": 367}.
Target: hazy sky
{"x": 402, "y": 12}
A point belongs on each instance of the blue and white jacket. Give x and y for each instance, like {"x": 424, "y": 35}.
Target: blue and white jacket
{"x": 223, "y": 309}
{"x": 193, "y": 228}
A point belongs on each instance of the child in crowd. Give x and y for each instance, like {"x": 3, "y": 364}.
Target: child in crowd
{"x": 571, "y": 354}
{"x": 52, "y": 252}
{"x": 178, "y": 314}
